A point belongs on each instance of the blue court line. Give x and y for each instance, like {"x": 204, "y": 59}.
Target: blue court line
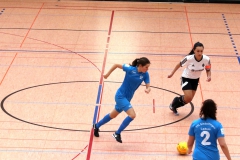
{"x": 48, "y": 51}
{"x": 126, "y": 53}
{"x": 97, "y": 102}
{"x": 134, "y": 17}
{"x": 231, "y": 38}
{"x": 83, "y": 67}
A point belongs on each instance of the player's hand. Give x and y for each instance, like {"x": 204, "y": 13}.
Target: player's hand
{"x": 170, "y": 75}
{"x": 147, "y": 90}
{"x": 189, "y": 151}
{"x": 208, "y": 79}
{"x": 105, "y": 76}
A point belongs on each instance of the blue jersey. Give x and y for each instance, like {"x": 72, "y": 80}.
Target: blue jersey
{"x": 206, "y": 133}
{"x": 131, "y": 82}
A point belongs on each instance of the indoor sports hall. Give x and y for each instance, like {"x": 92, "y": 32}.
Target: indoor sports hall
{"x": 53, "y": 55}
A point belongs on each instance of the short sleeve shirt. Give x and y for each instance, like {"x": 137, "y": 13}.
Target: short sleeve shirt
{"x": 194, "y": 67}
{"x": 132, "y": 81}
{"x": 206, "y": 133}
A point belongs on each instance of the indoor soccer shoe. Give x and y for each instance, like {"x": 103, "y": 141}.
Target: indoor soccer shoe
{"x": 173, "y": 109}
{"x": 96, "y": 130}
{"x": 170, "y": 107}
{"x": 117, "y": 137}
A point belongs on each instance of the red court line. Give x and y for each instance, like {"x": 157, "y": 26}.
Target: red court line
{"x": 31, "y": 25}
{"x": 20, "y": 47}
{"x": 100, "y": 83}
{"x": 80, "y": 152}
{"x": 54, "y": 45}
{"x": 189, "y": 30}
{"x": 153, "y": 105}
{"x": 8, "y": 68}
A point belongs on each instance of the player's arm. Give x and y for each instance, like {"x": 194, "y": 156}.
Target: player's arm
{"x": 174, "y": 70}
{"x": 148, "y": 89}
{"x": 208, "y": 71}
{"x": 224, "y": 147}
{"x": 208, "y": 75}
{"x": 112, "y": 69}
{"x": 190, "y": 143}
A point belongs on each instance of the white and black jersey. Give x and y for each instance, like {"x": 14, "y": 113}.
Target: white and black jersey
{"x": 194, "y": 67}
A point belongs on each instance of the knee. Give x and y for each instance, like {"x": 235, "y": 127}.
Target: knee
{"x": 112, "y": 115}
{"x": 132, "y": 115}
{"x": 187, "y": 99}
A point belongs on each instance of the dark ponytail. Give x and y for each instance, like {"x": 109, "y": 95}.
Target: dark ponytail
{"x": 198, "y": 44}
{"x": 208, "y": 109}
{"x": 143, "y": 61}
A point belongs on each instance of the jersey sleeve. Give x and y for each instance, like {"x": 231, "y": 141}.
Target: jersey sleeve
{"x": 184, "y": 61}
{"x": 126, "y": 67}
{"x": 147, "y": 78}
{"x": 220, "y": 132}
{"x": 191, "y": 130}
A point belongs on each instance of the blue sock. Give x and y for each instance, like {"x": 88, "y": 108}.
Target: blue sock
{"x": 105, "y": 119}
{"x": 124, "y": 124}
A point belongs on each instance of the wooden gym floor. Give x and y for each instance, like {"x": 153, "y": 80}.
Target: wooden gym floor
{"x": 53, "y": 55}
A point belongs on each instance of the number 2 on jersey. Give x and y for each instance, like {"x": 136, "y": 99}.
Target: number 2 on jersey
{"x": 204, "y": 141}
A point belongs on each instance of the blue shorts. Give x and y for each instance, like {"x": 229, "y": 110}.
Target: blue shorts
{"x": 122, "y": 104}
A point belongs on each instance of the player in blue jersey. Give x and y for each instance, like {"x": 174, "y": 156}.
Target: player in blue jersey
{"x": 206, "y": 131}
{"x": 136, "y": 73}
{"x": 195, "y": 63}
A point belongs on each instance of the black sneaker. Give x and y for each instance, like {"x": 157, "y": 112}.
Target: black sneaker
{"x": 175, "y": 111}
{"x": 117, "y": 137}
{"x": 96, "y": 130}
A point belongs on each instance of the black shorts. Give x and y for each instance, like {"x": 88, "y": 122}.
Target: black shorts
{"x": 189, "y": 84}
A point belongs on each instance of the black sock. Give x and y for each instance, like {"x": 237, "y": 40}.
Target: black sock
{"x": 181, "y": 101}
{"x": 175, "y": 102}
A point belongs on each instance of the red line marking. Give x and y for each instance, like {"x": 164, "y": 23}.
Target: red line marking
{"x": 8, "y": 68}
{"x": 20, "y": 47}
{"x": 189, "y": 30}
{"x": 108, "y": 39}
{"x": 56, "y": 46}
{"x": 100, "y": 83}
{"x": 153, "y": 105}
{"x": 110, "y": 26}
{"x": 80, "y": 152}
{"x": 31, "y": 25}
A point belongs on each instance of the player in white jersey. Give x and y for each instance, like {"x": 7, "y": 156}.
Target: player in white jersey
{"x": 205, "y": 132}
{"x": 195, "y": 63}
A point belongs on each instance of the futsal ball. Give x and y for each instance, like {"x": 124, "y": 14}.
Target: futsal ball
{"x": 182, "y": 148}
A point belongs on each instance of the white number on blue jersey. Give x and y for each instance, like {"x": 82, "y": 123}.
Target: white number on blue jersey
{"x": 204, "y": 142}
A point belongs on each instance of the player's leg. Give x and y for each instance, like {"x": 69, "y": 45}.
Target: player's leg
{"x": 189, "y": 88}
{"x": 131, "y": 115}
{"x": 105, "y": 120}
{"x": 189, "y": 92}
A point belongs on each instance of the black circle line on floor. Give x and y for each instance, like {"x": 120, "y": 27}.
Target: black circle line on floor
{"x": 5, "y": 98}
